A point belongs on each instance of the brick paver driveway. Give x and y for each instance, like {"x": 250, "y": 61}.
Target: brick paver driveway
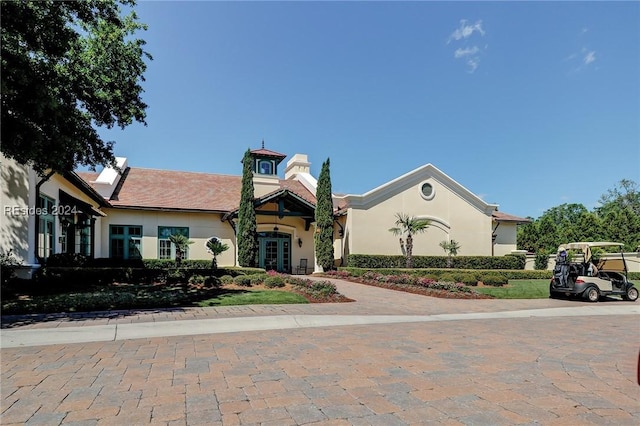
{"x": 479, "y": 363}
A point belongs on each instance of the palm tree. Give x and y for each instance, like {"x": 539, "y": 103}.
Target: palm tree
{"x": 451, "y": 248}
{"x": 410, "y": 226}
{"x": 182, "y": 244}
{"x": 215, "y": 246}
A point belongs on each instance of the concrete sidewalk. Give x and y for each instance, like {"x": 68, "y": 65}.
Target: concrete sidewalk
{"x": 390, "y": 358}
{"x": 103, "y": 333}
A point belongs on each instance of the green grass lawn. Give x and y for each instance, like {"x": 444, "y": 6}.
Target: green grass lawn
{"x": 253, "y": 297}
{"x": 518, "y": 289}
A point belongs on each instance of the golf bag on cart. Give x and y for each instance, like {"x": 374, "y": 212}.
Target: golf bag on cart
{"x": 561, "y": 270}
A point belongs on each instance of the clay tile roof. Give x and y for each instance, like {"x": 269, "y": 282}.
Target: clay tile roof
{"x": 174, "y": 190}
{"x": 168, "y": 189}
{"x": 88, "y": 176}
{"x": 299, "y": 189}
{"x": 267, "y": 152}
{"x": 504, "y": 217}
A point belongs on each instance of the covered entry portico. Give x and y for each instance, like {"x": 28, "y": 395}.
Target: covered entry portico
{"x": 285, "y": 232}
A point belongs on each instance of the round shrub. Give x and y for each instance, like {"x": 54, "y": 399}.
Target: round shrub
{"x": 257, "y": 279}
{"x": 196, "y": 279}
{"x": 447, "y": 277}
{"x": 468, "y": 279}
{"x": 298, "y": 282}
{"x": 242, "y": 280}
{"x": 212, "y": 282}
{"x": 226, "y": 279}
{"x": 494, "y": 279}
{"x": 273, "y": 282}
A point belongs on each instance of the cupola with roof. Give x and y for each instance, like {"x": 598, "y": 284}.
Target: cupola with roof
{"x": 265, "y": 162}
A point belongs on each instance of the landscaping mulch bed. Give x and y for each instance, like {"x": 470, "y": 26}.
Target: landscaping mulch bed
{"x": 334, "y": 298}
{"x": 424, "y": 291}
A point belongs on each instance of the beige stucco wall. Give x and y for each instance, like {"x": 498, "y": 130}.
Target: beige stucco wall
{"x": 201, "y": 226}
{"x": 17, "y": 228}
{"x": 451, "y": 216}
{"x": 265, "y": 184}
{"x": 506, "y": 237}
{"x": 19, "y": 208}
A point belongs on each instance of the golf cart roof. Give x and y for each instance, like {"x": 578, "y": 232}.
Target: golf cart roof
{"x": 585, "y": 247}
{"x": 582, "y": 245}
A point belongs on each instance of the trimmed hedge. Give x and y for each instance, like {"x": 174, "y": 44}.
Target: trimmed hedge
{"x": 510, "y": 261}
{"x": 78, "y": 277}
{"x": 74, "y": 260}
{"x": 458, "y": 274}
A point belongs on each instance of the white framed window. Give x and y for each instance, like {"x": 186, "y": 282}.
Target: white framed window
{"x": 167, "y": 250}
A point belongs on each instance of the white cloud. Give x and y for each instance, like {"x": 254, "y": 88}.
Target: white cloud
{"x": 582, "y": 57}
{"x": 468, "y": 51}
{"x": 589, "y": 57}
{"x": 460, "y": 53}
{"x": 473, "y": 64}
{"x": 465, "y": 31}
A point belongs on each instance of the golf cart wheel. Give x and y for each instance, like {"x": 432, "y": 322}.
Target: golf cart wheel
{"x": 632, "y": 294}
{"x": 592, "y": 294}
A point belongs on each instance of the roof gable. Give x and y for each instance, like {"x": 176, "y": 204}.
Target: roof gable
{"x": 401, "y": 183}
{"x": 287, "y": 199}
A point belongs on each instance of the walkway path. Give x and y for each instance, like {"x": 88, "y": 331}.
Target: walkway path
{"x": 388, "y": 358}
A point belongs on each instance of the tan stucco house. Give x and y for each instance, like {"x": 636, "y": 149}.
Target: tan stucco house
{"x": 131, "y": 213}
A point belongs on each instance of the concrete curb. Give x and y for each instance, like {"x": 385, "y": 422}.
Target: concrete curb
{"x": 11, "y": 338}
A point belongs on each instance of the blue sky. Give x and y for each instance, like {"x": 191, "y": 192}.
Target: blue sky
{"x": 516, "y": 101}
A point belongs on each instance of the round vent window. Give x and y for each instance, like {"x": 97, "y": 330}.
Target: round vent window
{"x": 426, "y": 190}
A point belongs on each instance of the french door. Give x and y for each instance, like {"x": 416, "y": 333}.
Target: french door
{"x": 274, "y": 251}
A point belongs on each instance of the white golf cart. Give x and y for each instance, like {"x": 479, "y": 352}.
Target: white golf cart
{"x": 591, "y": 280}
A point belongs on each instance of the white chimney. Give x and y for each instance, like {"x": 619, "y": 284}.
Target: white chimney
{"x": 109, "y": 177}
{"x": 297, "y": 164}
{"x": 298, "y": 169}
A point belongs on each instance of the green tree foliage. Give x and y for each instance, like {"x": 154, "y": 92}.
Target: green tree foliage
{"x": 409, "y": 226}
{"x": 616, "y": 219}
{"x": 625, "y": 195}
{"x": 541, "y": 262}
{"x": 451, "y": 248}
{"x": 182, "y": 245}
{"x": 247, "y": 231}
{"x": 623, "y": 226}
{"x": 67, "y": 68}
{"x": 324, "y": 219}
{"x": 215, "y": 246}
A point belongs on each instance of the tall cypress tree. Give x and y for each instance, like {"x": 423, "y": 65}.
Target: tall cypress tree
{"x": 246, "y": 233}
{"x": 324, "y": 219}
